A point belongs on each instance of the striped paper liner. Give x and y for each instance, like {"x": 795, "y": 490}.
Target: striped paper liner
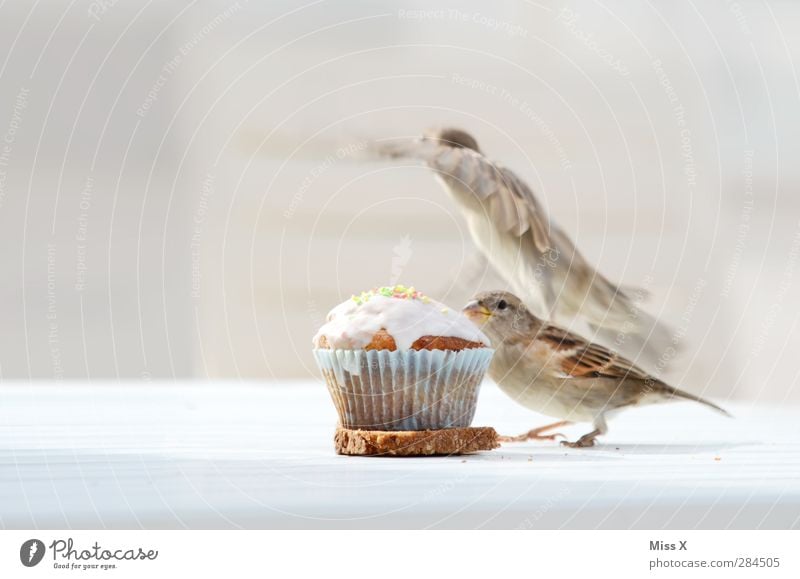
{"x": 404, "y": 390}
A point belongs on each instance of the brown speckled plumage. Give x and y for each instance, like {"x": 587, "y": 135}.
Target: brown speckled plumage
{"x": 558, "y": 373}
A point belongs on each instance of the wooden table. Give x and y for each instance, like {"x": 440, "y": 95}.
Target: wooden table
{"x": 240, "y": 455}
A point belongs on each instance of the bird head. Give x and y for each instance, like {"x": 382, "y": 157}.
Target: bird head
{"x": 502, "y": 316}
{"x": 452, "y": 137}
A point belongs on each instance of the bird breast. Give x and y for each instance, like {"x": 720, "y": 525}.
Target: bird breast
{"x": 530, "y": 383}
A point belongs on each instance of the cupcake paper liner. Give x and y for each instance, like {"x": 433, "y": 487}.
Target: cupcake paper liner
{"x": 404, "y": 390}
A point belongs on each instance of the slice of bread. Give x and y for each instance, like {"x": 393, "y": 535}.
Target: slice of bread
{"x": 447, "y": 441}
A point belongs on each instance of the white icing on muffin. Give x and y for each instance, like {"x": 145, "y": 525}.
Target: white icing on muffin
{"x": 404, "y": 313}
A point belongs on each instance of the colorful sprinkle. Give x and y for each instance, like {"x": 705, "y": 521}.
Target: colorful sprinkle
{"x": 399, "y": 291}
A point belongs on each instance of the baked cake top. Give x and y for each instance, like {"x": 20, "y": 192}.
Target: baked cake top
{"x": 403, "y": 312}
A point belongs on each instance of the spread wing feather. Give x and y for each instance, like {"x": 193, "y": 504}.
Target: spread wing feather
{"x": 510, "y": 202}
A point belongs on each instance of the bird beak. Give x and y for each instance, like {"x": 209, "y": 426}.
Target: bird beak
{"x": 476, "y": 312}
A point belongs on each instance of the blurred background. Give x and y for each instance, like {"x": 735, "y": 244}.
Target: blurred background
{"x": 185, "y": 190}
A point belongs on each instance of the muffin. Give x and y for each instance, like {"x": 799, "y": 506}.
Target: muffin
{"x": 394, "y": 359}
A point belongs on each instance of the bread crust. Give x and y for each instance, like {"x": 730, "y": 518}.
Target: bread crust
{"x": 447, "y": 441}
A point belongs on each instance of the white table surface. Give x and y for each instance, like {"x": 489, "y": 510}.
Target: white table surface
{"x": 233, "y": 455}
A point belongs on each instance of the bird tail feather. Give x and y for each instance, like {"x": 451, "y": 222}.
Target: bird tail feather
{"x": 675, "y": 393}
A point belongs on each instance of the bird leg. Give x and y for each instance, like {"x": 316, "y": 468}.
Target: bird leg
{"x": 584, "y": 441}
{"x": 537, "y": 433}
{"x": 587, "y": 440}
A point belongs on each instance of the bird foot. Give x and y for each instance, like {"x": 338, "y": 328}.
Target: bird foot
{"x": 584, "y": 441}
{"x": 536, "y": 434}
{"x": 529, "y": 436}
{"x": 580, "y": 443}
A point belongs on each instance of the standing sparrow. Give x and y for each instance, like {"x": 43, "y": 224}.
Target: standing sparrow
{"x": 555, "y": 372}
{"x": 529, "y": 251}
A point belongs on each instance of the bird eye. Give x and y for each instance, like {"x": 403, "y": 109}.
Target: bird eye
{"x": 502, "y": 304}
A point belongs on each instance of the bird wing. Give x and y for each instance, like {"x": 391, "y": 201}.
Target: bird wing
{"x": 578, "y": 358}
{"x": 569, "y": 285}
{"x": 511, "y": 204}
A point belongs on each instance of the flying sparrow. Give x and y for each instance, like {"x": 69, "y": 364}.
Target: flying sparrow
{"x": 552, "y": 371}
{"x": 533, "y": 255}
